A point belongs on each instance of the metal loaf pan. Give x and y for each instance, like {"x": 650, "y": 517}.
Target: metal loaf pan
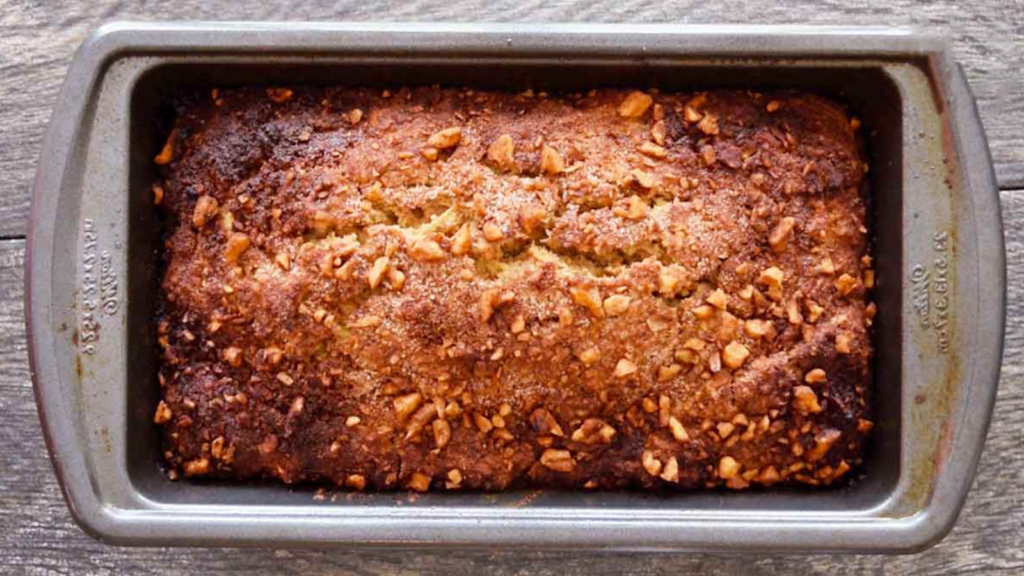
{"x": 92, "y": 283}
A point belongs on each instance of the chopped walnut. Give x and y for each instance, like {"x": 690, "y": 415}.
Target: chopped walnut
{"x": 728, "y": 468}
{"x": 772, "y": 278}
{"x": 593, "y": 431}
{"x": 644, "y": 179}
{"x": 501, "y": 152}
{"x": 668, "y": 281}
{"x": 454, "y": 478}
{"x": 488, "y": 301}
{"x": 843, "y": 343}
{"x": 678, "y": 430}
{"x": 735, "y": 354}
{"x": 658, "y": 132}
{"x": 482, "y": 423}
{"x": 158, "y": 194}
{"x": 206, "y": 208}
{"x": 616, "y": 304}
{"x": 419, "y": 419}
{"x": 718, "y": 299}
{"x": 163, "y": 413}
{"x": 426, "y": 249}
{"x": 632, "y": 208}
{"x": 353, "y": 116}
{"x": 653, "y": 150}
{"x": 590, "y": 356}
{"x": 826, "y": 267}
{"x": 233, "y": 356}
{"x": 869, "y": 278}
{"x": 550, "y": 161}
{"x": 532, "y": 217}
{"x": 756, "y": 328}
{"x": 725, "y": 429}
{"x": 280, "y": 95}
{"x": 864, "y": 426}
{"x": 691, "y": 115}
{"x": 805, "y": 400}
{"x": 407, "y": 404}
{"x": 635, "y": 104}
{"x": 352, "y": 421}
{"x": 624, "y": 368}
{"x": 708, "y": 125}
{"x": 651, "y": 464}
{"x": 558, "y": 460}
{"x": 773, "y": 105}
{"x": 355, "y": 481}
{"x": 666, "y": 373}
{"x": 492, "y": 232}
{"x": 670, "y": 473}
{"x": 167, "y": 152}
{"x": 197, "y": 467}
{"x": 418, "y": 482}
{"x": 815, "y": 376}
{"x": 545, "y": 424}
{"x": 780, "y": 234}
{"x": 237, "y": 244}
{"x": 823, "y": 441}
{"x": 703, "y": 312}
{"x": 376, "y": 273}
{"x": 846, "y": 284}
{"x": 447, "y": 138}
{"x": 396, "y": 278}
{"x": 589, "y": 298}
{"x": 430, "y": 153}
{"x": 285, "y": 378}
{"x": 463, "y": 240}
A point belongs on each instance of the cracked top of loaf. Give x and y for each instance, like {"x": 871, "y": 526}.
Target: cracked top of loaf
{"x": 435, "y": 288}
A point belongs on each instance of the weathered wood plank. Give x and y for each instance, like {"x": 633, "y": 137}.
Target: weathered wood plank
{"x": 38, "y": 40}
{"x": 40, "y": 538}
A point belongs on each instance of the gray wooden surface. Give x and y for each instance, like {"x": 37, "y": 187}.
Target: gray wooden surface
{"x": 37, "y": 40}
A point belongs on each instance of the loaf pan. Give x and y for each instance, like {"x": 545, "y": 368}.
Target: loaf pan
{"x": 92, "y": 283}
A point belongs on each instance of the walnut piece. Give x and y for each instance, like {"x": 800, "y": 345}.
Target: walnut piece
{"x": 447, "y": 138}
{"x": 635, "y": 104}
{"x": 280, "y": 95}
{"x": 624, "y": 368}
{"x": 163, "y": 413}
{"x": 677, "y": 429}
{"x": 616, "y": 304}
{"x": 407, "y": 404}
{"x": 197, "y": 467}
{"x": 236, "y": 245}
{"x": 735, "y": 354}
{"x": 670, "y": 473}
{"x": 805, "y": 400}
{"x": 728, "y": 468}
{"x": 589, "y": 298}
{"x": 206, "y": 208}
{"x": 463, "y": 240}
{"x": 501, "y": 152}
{"x": 815, "y": 376}
{"x": 558, "y": 460}
{"x": 593, "y": 431}
{"x": 823, "y": 441}
{"x": 376, "y": 273}
{"x": 545, "y": 424}
{"x": 550, "y": 161}
{"x": 780, "y": 234}
{"x": 426, "y": 249}
{"x": 651, "y": 464}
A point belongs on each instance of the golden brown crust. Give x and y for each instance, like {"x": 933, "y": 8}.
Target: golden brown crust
{"x": 452, "y": 289}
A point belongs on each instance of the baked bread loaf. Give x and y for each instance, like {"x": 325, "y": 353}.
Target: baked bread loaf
{"x": 452, "y": 289}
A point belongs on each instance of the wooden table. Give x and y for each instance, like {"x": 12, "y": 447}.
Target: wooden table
{"x": 37, "y": 535}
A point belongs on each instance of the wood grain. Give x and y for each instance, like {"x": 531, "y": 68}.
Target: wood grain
{"x": 39, "y": 537}
{"x": 39, "y": 38}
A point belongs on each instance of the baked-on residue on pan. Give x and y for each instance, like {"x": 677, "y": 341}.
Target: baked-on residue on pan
{"x": 453, "y": 289}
